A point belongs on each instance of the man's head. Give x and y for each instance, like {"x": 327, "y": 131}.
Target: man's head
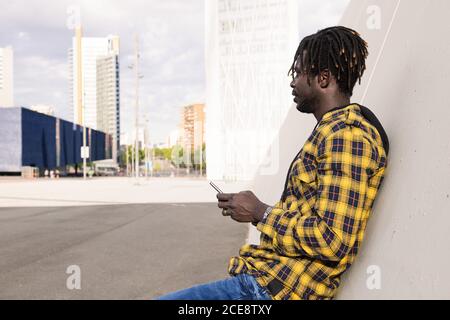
{"x": 327, "y": 64}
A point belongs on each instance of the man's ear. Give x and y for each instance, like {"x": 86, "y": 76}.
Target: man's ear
{"x": 324, "y": 78}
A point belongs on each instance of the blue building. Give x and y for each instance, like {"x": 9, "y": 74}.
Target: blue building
{"x": 29, "y": 138}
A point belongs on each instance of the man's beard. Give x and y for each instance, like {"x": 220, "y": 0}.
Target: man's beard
{"x": 305, "y": 105}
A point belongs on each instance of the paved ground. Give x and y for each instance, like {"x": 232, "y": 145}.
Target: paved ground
{"x": 18, "y": 192}
{"x": 124, "y": 251}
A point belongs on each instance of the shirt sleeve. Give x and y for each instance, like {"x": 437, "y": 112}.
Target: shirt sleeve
{"x": 328, "y": 229}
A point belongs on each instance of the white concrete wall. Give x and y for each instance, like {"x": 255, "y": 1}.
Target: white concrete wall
{"x": 408, "y": 235}
{"x": 248, "y": 53}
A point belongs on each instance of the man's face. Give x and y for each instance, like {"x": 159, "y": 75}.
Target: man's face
{"x": 305, "y": 95}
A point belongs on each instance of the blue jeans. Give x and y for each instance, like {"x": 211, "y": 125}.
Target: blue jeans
{"x": 240, "y": 287}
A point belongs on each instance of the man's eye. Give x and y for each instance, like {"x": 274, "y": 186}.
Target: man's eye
{"x": 295, "y": 74}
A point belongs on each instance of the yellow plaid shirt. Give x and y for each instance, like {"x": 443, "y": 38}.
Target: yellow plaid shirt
{"x": 312, "y": 235}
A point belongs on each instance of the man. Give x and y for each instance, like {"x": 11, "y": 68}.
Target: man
{"x": 312, "y": 235}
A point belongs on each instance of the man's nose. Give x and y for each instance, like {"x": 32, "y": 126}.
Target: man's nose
{"x": 293, "y": 84}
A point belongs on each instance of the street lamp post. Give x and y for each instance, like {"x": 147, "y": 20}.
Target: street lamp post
{"x": 146, "y": 143}
{"x": 136, "y": 69}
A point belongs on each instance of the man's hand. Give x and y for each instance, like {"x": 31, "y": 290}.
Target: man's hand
{"x": 243, "y": 206}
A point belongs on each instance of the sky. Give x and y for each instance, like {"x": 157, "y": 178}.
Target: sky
{"x": 172, "y": 35}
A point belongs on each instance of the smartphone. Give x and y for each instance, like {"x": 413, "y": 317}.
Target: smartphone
{"x": 215, "y": 187}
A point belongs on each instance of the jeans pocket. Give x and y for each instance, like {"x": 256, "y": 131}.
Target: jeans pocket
{"x": 252, "y": 289}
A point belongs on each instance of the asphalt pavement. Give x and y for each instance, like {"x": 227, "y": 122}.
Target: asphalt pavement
{"x": 136, "y": 251}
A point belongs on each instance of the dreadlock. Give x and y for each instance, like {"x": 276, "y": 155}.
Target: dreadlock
{"x": 339, "y": 49}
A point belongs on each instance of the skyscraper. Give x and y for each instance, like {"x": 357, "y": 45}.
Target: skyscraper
{"x": 108, "y": 99}
{"x": 6, "y": 77}
{"x": 100, "y": 83}
{"x": 192, "y": 126}
{"x": 92, "y": 49}
{"x": 249, "y": 49}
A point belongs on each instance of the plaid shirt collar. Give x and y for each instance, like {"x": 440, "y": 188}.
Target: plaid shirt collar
{"x": 350, "y": 112}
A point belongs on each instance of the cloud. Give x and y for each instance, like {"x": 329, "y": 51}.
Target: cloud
{"x": 23, "y": 35}
{"x": 29, "y": 87}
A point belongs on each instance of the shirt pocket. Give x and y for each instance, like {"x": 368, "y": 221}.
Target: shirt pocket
{"x": 304, "y": 174}
{"x": 304, "y": 184}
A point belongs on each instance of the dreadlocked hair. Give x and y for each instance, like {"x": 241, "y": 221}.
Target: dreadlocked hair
{"x": 339, "y": 49}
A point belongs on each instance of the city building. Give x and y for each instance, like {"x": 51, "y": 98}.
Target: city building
{"x": 92, "y": 50}
{"x": 108, "y": 99}
{"x": 192, "y": 126}
{"x": 6, "y": 77}
{"x": 173, "y": 139}
{"x": 33, "y": 139}
{"x": 160, "y": 145}
{"x": 249, "y": 49}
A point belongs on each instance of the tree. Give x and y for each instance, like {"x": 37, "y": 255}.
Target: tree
{"x": 198, "y": 156}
